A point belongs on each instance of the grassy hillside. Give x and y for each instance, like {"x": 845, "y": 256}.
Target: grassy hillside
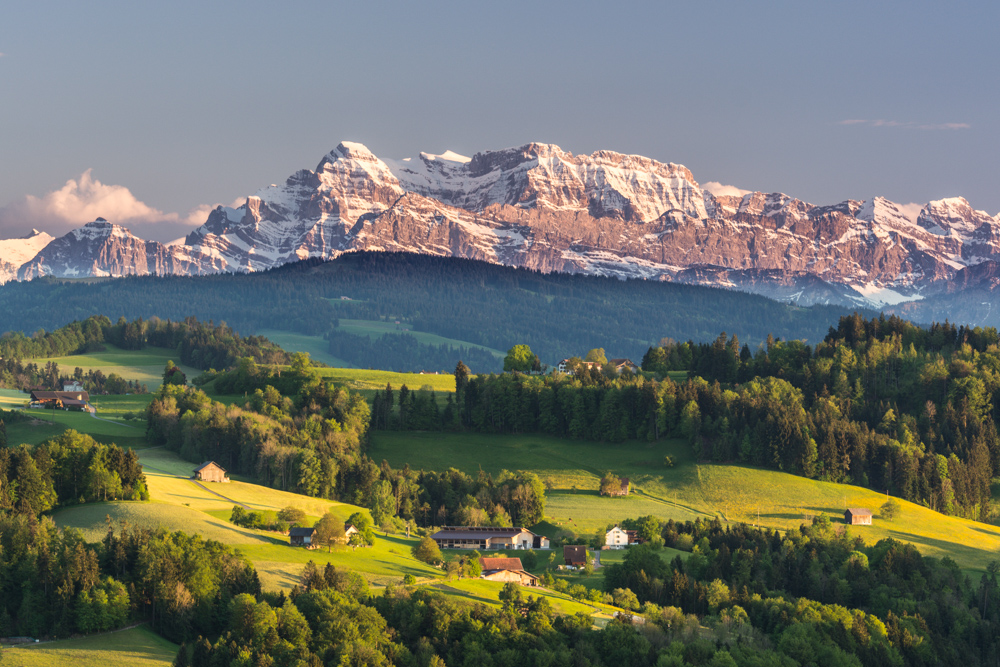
{"x": 363, "y": 380}
{"x": 180, "y": 504}
{"x": 137, "y": 647}
{"x": 316, "y": 346}
{"x": 375, "y": 328}
{"x": 146, "y": 365}
{"x": 686, "y": 491}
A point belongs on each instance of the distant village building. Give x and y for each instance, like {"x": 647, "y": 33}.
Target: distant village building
{"x": 616, "y": 538}
{"x": 621, "y": 364}
{"x": 563, "y": 366}
{"x": 482, "y": 537}
{"x": 72, "y": 386}
{"x": 575, "y": 555}
{"x": 60, "y": 400}
{"x": 349, "y": 530}
{"x": 210, "y": 471}
{"x": 507, "y": 570}
{"x": 301, "y": 537}
{"x": 858, "y": 516}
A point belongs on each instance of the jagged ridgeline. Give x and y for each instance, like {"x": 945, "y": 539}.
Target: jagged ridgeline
{"x": 474, "y": 304}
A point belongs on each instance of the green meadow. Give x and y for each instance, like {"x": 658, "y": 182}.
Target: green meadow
{"x": 316, "y": 346}
{"x": 146, "y": 365}
{"x": 136, "y": 647}
{"x": 369, "y": 380}
{"x": 686, "y": 491}
{"x": 178, "y": 503}
{"x": 376, "y": 328}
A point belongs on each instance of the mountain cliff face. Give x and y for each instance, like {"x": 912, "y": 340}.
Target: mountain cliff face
{"x": 540, "y": 207}
{"x": 101, "y": 248}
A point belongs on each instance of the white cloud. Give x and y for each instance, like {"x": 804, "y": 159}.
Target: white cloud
{"x": 906, "y": 125}
{"x": 720, "y": 190}
{"x": 84, "y": 199}
{"x": 911, "y": 210}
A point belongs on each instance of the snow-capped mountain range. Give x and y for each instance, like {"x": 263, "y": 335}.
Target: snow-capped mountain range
{"x": 540, "y": 207}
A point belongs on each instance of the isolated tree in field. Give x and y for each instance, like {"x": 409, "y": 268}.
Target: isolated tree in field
{"x": 520, "y": 358}
{"x": 889, "y": 509}
{"x": 329, "y": 530}
{"x": 611, "y": 485}
{"x": 427, "y": 551}
{"x": 292, "y": 515}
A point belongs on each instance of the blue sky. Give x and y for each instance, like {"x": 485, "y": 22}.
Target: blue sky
{"x": 176, "y": 106}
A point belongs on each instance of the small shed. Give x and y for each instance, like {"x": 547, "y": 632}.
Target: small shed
{"x": 301, "y": 537}
{"x": 575, "y": 555}
{"x": 858, "y": 516}
{"x": 210, "y": 471}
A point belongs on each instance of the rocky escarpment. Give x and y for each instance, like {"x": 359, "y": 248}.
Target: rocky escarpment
{"x": 540, "y": 207}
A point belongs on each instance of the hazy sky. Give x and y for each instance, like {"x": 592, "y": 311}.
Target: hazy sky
{"x": 146, "y": 113}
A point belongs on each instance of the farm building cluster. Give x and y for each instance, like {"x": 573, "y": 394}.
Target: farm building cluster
{"x": 303, "y": 536}
{"x": 60, "y": 400}
{"x": 619, "y": 364}
{"x": 482, "y": 537}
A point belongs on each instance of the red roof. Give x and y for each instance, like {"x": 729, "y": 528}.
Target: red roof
{"x": 501, "y": 564}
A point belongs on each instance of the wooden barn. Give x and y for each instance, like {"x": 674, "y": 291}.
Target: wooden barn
{"x": 621, "y": 491}
{"x": 301, "y": 537}
{"x": 575, "y": 555}
{"x": 507, "y": 569}
{"x": 210, "y": 471}
{"x": 858, "y": 516}
{"x": 60, "y": 400}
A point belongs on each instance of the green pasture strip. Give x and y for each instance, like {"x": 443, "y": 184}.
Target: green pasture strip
{"x": 48, "y": 424}
{"x": 136, "y": 647}
{"x": 356, "y": 378}
{"x": 145, "y": 365}
{"x": 117, "y": 406}
{"x": 376, "y": 328}
{"x": 316, "y": 346}
{"x": 686, "y": 491}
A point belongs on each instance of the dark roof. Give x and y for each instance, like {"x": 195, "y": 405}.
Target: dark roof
{"x": 619, "y": 362}
{"x": 575, "y": 554}
{"x": 490, "y": 564}
{"x": 476, "y": 532}
{"x": 301, "y": 532}
{"x": 209, "y": 463}
{"x": 859, "y": 511}
{"x": 61, "y": 395}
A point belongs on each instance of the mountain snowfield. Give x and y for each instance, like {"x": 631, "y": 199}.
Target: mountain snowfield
{"x": 540, "y": 207}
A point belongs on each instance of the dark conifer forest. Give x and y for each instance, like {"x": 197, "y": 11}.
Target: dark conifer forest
{"x": 558, "y": 315}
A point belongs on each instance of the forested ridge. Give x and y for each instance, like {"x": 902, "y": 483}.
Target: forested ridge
{"x": 478, "y": 302}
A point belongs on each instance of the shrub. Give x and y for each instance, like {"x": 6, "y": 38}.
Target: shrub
{"x": 427, "y": 551}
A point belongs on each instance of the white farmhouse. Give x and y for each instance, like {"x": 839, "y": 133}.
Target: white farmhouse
{"x": 616, "y": 538}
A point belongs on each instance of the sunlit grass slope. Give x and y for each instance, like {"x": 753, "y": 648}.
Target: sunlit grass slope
{"x": 146, "y": 365}
{"x": 356, "y": 378}
{"x": 687, "y": 490}
{"x": 138, "y": 647}
{"x": 180, "y": 504}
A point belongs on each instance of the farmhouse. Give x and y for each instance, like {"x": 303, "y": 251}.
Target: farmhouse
{"x": 61, "y": 400}
{"x": 563, "y": 366}
{"x": 633, "y": 537}
{"x": 301, "y": 537}
{"x": 621, "y": 364}
{"x": 349, "y": 530}
{"x": 616, "y": 538}
{"x": 575, "y": 555}
{"x": 506, "y": 569}
{"x": 210, "y": 471}
{"x": 72, "y": 386}
{"x": 481, "y": 537}
{"x": 858, "y": 516}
